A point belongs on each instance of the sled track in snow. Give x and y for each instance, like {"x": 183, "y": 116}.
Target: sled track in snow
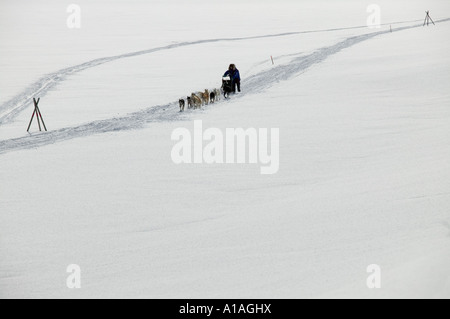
{"x": 162, "y": 113}
{"x": 12, "y": 108}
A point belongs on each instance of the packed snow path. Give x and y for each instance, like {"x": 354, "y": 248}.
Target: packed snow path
{"x": 12, "y": 108}
{"x": 168, "y": 112}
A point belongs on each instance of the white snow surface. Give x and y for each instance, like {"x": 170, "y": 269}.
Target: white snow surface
{"x": 363, "y": 114}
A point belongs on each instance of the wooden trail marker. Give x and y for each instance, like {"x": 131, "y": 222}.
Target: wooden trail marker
{"x": 428, "y": 19}
{"x": 38, "y": 114}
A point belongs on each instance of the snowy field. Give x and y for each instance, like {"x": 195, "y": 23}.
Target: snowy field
{"x": 364, "y": 150}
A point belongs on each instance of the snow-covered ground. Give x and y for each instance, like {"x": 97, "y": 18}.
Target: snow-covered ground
{"x": 364, "y": 172}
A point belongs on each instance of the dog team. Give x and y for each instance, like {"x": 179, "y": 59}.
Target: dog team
{"x": 197, "y": 100}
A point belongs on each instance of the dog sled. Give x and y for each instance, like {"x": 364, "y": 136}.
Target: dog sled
{"x": 227, "y": 86}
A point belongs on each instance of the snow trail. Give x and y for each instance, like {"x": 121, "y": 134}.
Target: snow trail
{"x": 169, "y": 112}
{"x": 12, "y": 108}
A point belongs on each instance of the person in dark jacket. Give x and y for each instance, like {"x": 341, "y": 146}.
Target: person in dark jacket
{"x": 233, "y": 73}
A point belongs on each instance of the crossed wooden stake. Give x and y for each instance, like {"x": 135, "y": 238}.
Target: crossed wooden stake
{"x": 428, "y": 19}
{"x": 38, "y": 116}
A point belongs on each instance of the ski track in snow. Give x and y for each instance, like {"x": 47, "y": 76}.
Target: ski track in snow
{"x": 255, "y": 84}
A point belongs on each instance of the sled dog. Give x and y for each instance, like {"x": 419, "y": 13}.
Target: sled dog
{"x": 182, "y": 104}
{"x": 196, "y": 101}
